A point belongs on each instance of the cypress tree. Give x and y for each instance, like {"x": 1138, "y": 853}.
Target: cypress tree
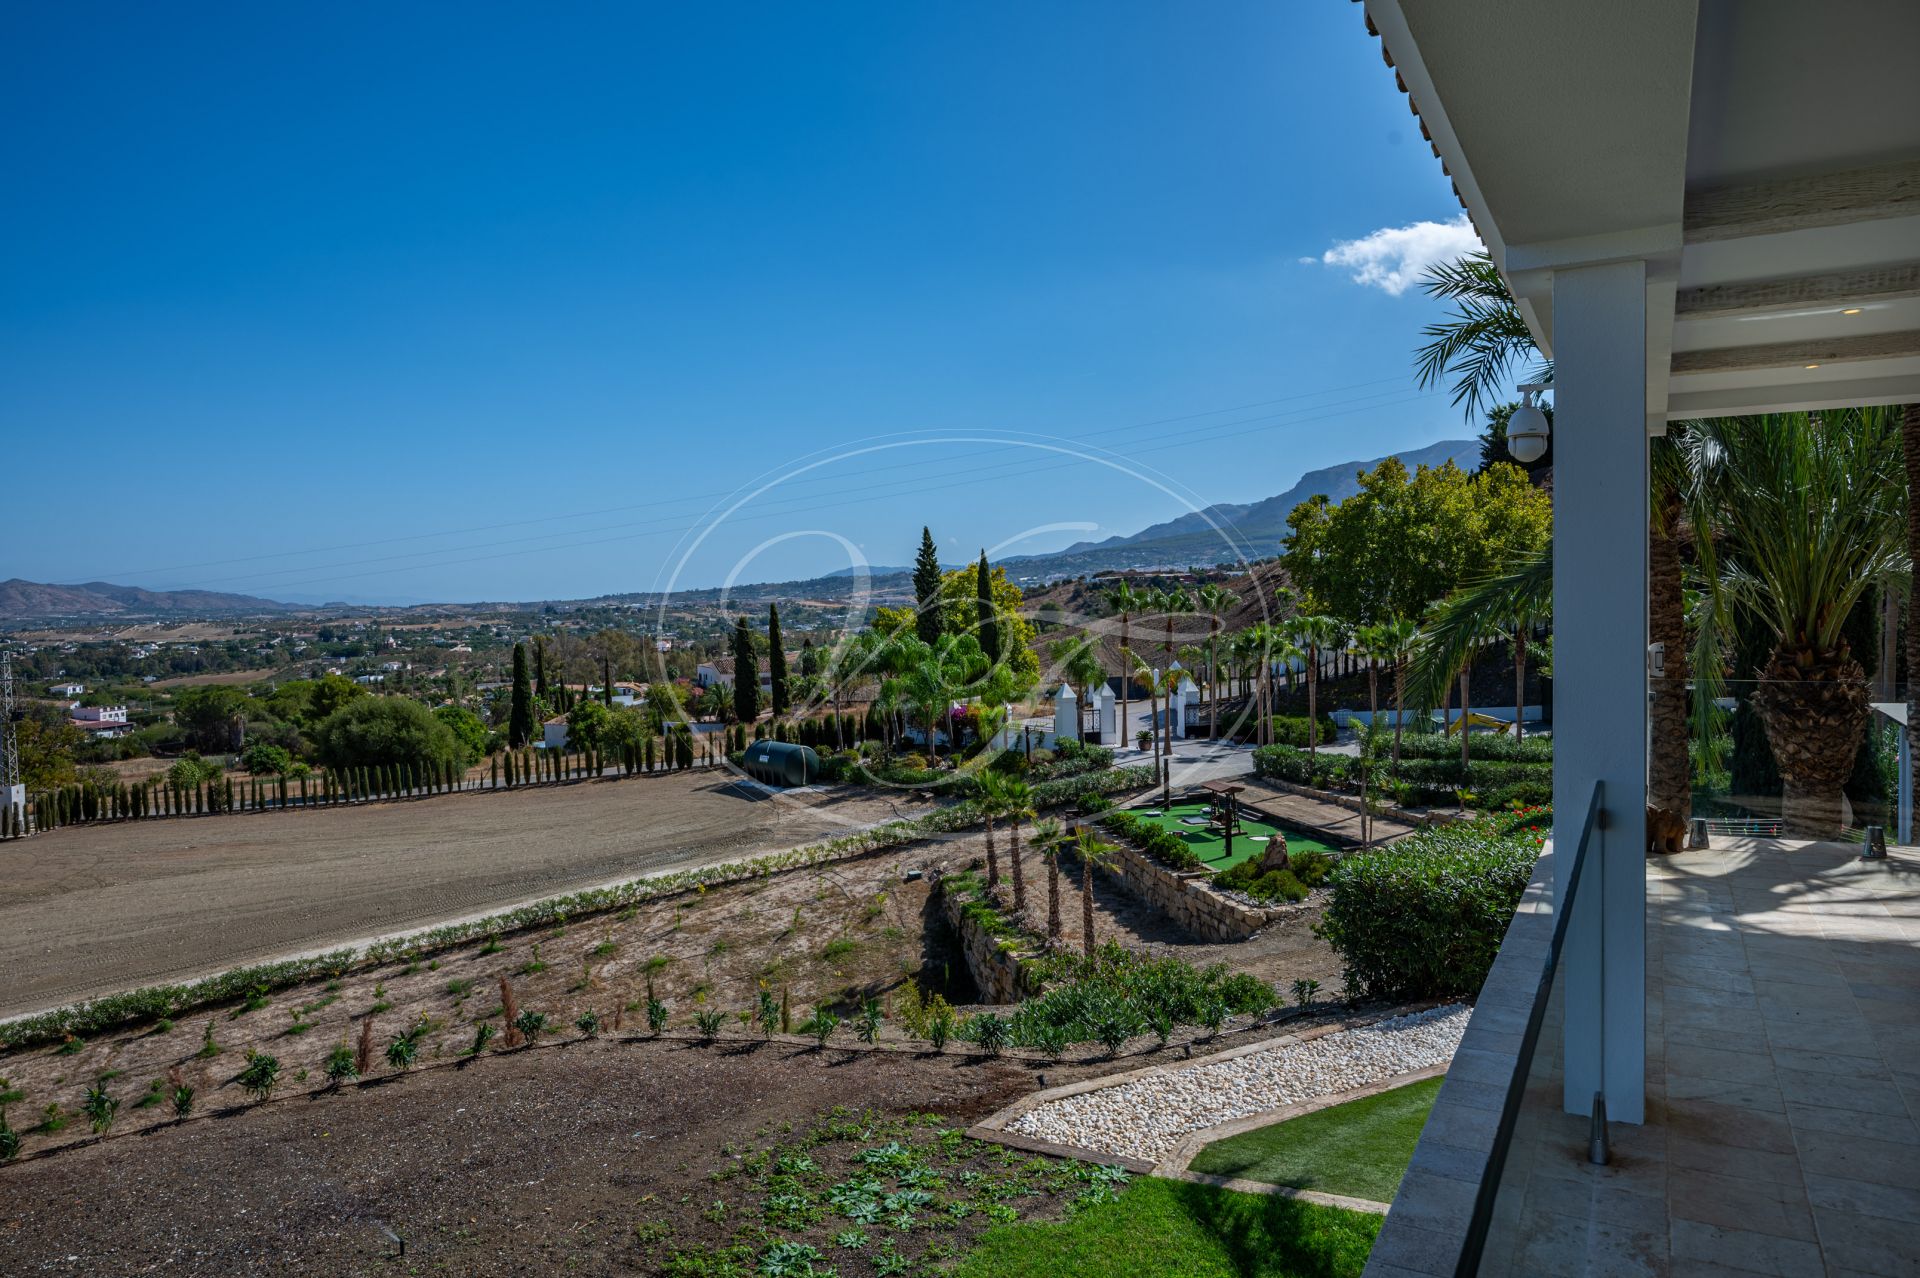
{"x": 649, "y": 754}
{"x": 989, "y": 619}
{"x": 746, "y": 674}
{"x": 520, "y": 720}
{"x": 606, "y": 680}
{"x": 776, "y": 661}
{"x": 540, "y": 666}
{"x": 926, "y": 588}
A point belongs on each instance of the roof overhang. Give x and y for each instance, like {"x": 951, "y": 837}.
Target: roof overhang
{"x": 1761, "y": 156}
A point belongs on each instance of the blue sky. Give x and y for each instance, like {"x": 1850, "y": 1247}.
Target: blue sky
{"x": 480, "y": 302}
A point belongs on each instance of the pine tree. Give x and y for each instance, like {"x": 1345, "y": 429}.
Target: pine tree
{"x": 926, "y": 588}
{"x": 989, "y": 619}
{"x": 776, "y": 661}
{"x": 746, "y": 674}
{"x": 520, "y": 720}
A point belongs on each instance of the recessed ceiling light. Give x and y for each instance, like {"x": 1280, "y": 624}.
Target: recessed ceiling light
{"x": 1851, "y": 310}
{"x": 1813, "y": 366}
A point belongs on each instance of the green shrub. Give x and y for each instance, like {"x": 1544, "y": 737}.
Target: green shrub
{"x": 1311, "y": 866}
{"x": 1092, "y": 999}
{"x": 1270, "y": 885}
{"x": 1424, "y": 917}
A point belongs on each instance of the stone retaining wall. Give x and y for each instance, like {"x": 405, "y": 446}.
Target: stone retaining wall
{"x": 1185, "y": 897}
{"x": 997, "y": 972}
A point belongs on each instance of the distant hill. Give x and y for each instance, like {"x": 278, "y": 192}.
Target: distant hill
{"x": 21, "y": 599}
{"x": 1191, "y": 540}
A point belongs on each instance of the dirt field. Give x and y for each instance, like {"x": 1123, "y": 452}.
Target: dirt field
{"x": 225, "y": 677}
{"x": 93, "y": 909}
{"x": 542, "y": 1161}
{"x": 578, "y": 1156}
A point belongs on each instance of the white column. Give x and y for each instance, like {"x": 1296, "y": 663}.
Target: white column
{"x": 1066, "y": 714}
{"x": 1599, "y": 659}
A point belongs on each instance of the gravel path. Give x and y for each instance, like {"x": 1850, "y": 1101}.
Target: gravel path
{"x": 1148, "y": 1117}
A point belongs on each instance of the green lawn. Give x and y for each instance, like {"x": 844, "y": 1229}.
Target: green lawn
{"x": 1213, "y": 849}
{"x": 1360, "y": 1149}
{"x": 1177, "y": 1229}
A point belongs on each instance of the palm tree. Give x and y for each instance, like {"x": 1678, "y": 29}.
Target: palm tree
{"x": 1396, "y": 637}
{"x": 1243, "y": 649}
{"x": 1078, "y": 661}
{"x": 1092, "y": 852}
{"x": 930, "y": 675}
{"x": 991, "y": 802}
{"x": 1811, "y": 515}
{"x": 1125, "y": 600}
{"x": 1215, "y": 601}
{"x": 1016, "y": 805}
{"x": 1480, "y": 342}
{"x": 1316, "y": 634}
{"x": 1172, "y": 603}
{"x": 1366, "y": 643}
{"x": 1048, "y": 836}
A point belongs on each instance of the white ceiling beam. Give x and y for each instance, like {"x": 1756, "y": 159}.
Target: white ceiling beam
{"x": 1795, "y": 204}
{"x": 1735, "y": 401}
{"x": 1838, "y": 288}
{"x": 1801, "y": 354}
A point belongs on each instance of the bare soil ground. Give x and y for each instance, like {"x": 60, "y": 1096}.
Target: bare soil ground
{"x": 93, "y": 909}
{"x": 531, "y": 1161}
{"x": 578, "y": 1156}
{"x": 223, "y": 677}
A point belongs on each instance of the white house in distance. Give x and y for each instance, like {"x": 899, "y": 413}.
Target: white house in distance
{"x": 720, "y": 671}
{"x": 67, "y": 690}
{"x": 1702, "y": 208}
{"x": 554, "y": 735}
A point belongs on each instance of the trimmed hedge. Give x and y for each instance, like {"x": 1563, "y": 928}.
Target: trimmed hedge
{"x": 1495, "y": 783}
{"x": 1162, "y": 845}
{"x": 1291, "y": 730}
{"x": 1424, "y": 917}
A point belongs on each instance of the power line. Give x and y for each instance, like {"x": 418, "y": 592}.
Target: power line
{"x": 698, "y": 497}
{"x": 970, "y": 479}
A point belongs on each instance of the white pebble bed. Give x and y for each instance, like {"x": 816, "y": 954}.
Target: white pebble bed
{"x": 1148, "y": 1117}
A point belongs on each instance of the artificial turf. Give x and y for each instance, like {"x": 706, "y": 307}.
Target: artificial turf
{"x": 1212, "y": 849}
{"x": 1359, "y": 1149}
{"x": 1178, "y": 1229}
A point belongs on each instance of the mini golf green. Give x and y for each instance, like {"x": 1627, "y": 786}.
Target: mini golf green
{"x": 1250, "y": 842}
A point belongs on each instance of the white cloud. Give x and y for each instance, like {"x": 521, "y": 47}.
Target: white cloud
{"x": 1393, "y": 257}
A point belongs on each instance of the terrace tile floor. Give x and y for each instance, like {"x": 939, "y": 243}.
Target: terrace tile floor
{"x": 1783, "y": 1089}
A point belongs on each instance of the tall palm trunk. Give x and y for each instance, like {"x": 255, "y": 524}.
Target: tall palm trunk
{"x": 1669, "y": 779}
{"x": 1519, "y": 681}
{"x": 993, "y": 860}
{"x": 1126, "y": 676}
{"x": 1373, "y": 691}
{"x": 1399, "y": 707}
{"x": 1054, "y": 928}
{"x": 1213, "y": 680}
{"x": 1313, "y": 694}
{"x": 1013, "y": 862}
{"x": 1466, "y": 708}
{"x": 1086, "y": 903}
{"x": 1813, "y": 705}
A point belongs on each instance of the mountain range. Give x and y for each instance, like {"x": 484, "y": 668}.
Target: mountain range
{"x": 19, "y": 598}
{"x": 1222, "y": 533}
{"x": 1230, "y": 530}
